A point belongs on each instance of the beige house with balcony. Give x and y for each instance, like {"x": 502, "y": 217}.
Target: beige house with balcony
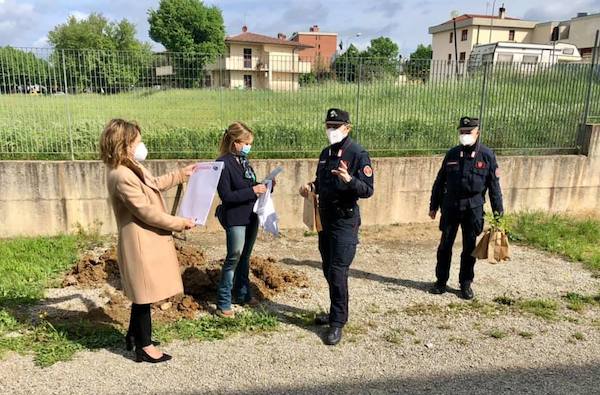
{"x": 472, "y": 30}
{"x": 255, "y": 61}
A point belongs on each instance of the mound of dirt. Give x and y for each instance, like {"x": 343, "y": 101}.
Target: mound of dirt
{"x": 200, "y": 280}
{"x": 95, "y": 268}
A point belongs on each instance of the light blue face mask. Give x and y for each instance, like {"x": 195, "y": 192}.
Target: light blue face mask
{"x": 246, "y": 149}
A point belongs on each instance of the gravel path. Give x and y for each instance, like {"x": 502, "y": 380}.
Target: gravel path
{"x": 397, "y": 340}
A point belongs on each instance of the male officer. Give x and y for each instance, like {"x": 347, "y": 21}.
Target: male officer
{"x": 344, "y": 175}
{"x": 467, "y": 172}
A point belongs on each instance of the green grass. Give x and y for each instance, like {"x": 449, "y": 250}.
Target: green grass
{"x": 574, "y": 238}
{"x": 579, "y": 336}
{"x": 542, "y": 308}
{"x": 497, "y": 333}
{"x": 578, "y": 302}
{"x": 523, "y": 113}
{"x": 28, "y": 265}
{"x": 526, "y": 335}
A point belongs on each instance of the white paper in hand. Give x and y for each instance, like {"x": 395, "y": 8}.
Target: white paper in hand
{"x": 265, "y": 210}
{"x": 200, "y": 191}
{"x": 273, "y": 174}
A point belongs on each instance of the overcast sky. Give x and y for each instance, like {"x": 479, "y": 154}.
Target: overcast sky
{"x": 25, "y": 23}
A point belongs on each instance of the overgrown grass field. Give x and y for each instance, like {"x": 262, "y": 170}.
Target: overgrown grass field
{"x": 522, "y": 113}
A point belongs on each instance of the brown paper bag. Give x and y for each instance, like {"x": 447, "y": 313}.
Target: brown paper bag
{"x": 481, "y": 251}
{"x": 493, "y": 246}
{"x": 311, "y": 216}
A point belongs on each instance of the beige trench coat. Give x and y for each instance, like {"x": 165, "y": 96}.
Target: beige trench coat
{"x": 146, "y": 251}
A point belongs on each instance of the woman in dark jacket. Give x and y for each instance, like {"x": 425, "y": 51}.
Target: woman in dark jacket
{"x": 238, "y": 190}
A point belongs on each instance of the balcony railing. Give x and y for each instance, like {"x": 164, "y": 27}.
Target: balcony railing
{"x": 275, "y": 63}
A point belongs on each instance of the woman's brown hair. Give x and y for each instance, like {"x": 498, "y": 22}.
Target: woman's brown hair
{"x": 235, "y": 133}
{"x": 117, "y": 137}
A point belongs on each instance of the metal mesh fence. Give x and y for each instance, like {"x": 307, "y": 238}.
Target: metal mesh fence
{"x": 54, "y": 104}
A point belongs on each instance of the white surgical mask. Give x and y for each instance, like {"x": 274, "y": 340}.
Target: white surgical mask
{"x": 467, "y": 139}
{"x": 335, "y": 135}
{"x": 140, "y": 153}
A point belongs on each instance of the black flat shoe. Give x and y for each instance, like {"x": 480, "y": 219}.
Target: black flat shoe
{"x": 438, "y": 289}
{"x": 321, "y": 320}
{"x": 334, "y": 336}
{"x": 142, "y": 356}
{"x": 130, "y": 341}
{"x": 466, "y": 292}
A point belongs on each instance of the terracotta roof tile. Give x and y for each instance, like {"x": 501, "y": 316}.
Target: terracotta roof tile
{"x": 254, "y": 38}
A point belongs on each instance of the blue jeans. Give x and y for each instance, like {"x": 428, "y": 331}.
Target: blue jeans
{"x": 236, "y": 268}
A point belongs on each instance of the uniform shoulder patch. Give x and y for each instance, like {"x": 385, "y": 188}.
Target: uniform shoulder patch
{"x": 368, "y": 171}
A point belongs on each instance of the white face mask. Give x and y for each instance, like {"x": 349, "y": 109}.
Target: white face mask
{"x": 140, "y": 153}
{"x": 467, "y": 139}
{"x": 335, "y": 135}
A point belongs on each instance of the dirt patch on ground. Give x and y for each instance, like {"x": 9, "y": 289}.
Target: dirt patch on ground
{"x": 99, "y": 268}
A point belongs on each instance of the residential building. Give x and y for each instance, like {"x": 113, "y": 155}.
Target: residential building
{"x": 579, "y": 31}
{"x": 256, "y": 61}
{"x": 472, "y": 30}
{"x": 323, "y": 47}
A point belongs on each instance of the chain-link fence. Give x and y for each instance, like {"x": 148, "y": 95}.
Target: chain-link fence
{"x": 54, "y": 104}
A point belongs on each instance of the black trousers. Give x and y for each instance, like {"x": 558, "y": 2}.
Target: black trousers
{"x": 471, "y": 223}
{"x": 337, "y": 245}
{"x": 140, "y": 325}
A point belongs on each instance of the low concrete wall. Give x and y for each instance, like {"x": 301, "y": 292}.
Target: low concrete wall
{"x": 45, "y": 198}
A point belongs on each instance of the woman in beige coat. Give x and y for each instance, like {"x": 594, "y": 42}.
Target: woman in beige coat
{"x": 146, "y": 252}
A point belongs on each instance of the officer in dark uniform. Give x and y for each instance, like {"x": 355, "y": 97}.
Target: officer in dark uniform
{"x": 468, "y": 171}
{"x": 344, "y": 175}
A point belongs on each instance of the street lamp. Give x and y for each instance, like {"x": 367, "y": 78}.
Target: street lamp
{"x": 357, "y": 35}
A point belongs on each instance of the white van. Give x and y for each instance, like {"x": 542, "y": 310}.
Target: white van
{"x": 527, "y": 54}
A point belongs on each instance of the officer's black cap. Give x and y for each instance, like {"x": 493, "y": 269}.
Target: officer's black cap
{"x": 335, "y": 115}
{"x": 468, "y": 123}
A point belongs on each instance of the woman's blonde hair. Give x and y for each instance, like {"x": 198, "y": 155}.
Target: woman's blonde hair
{"x": 118, "y": 135}
{"x": 235, "y": 133}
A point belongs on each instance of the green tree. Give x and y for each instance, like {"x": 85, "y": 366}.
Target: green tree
{"x": 99, "y": 55}
{"x": 380, "y": 59}
{"x": 345, "y": 66}
{"x": 195, "y": 30}
{"x": 20, "y": 70}
{"x": 188, "y": 26}
{"x": 383, "y": 48}
{"x": 419, "y": 63}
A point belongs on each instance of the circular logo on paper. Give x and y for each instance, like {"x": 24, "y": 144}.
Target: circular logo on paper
{"x": 368, "y": 171}
{"x": 215, "y": 168}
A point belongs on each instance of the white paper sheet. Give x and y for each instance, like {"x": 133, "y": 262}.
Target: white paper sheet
{"x": 200, "y": 192}
{"x": 273, "y": 174}
{"x": 265, "y": 210}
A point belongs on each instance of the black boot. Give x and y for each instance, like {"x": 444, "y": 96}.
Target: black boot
{"x": 322, "y": 320}
{"x": 466, "y": 292}
{"x": 334, "y": 335}
{"x": 438, "y": 289}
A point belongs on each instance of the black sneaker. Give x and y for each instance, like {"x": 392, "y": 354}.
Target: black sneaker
{"x": 466, "y": 292}
{"x": 438, "y": 289}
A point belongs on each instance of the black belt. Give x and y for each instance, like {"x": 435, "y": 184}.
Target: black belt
{"x": 339, "y": 211}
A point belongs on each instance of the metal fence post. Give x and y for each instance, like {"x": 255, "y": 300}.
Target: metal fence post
{"x": 221, "y": 66}
{"x": 356, "y": 117}
{"x": 483, "y": 97}
{"x": 588, "y": 99}
{"x": 67, "y": 109}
